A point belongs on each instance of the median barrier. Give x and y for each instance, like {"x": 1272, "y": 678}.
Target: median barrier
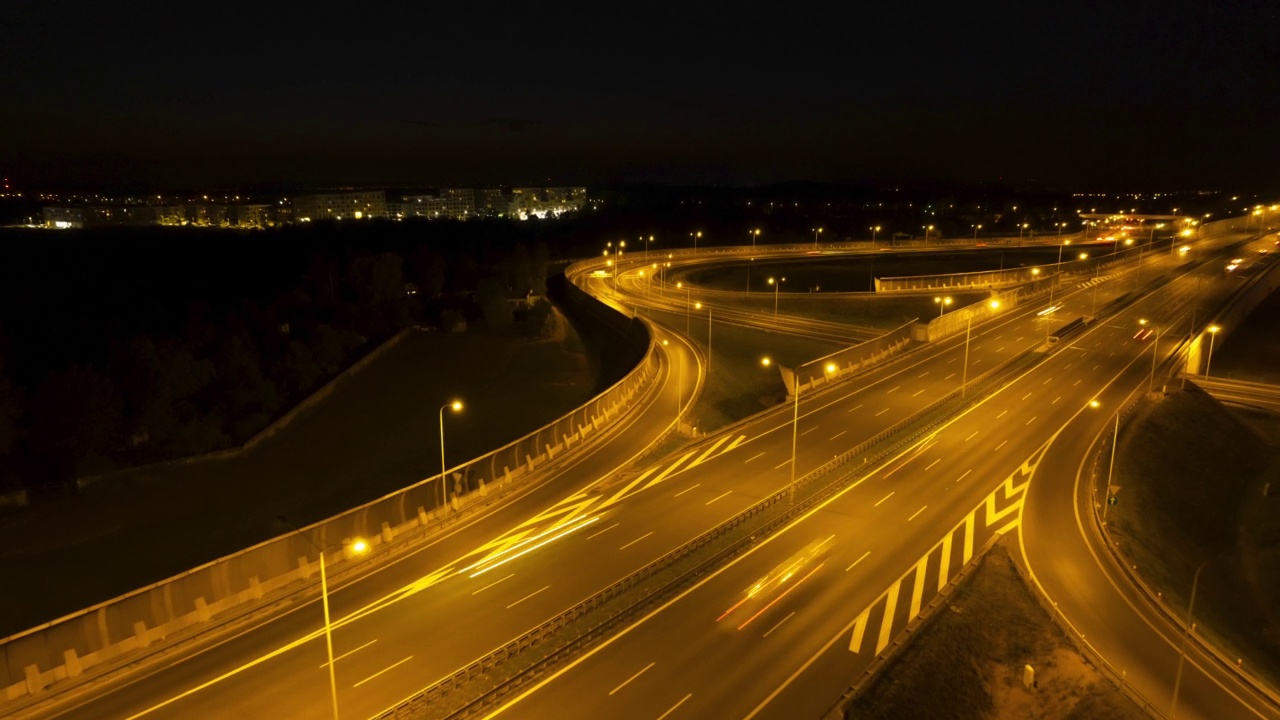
{"x": 161, "y": 617}
{"x": 663, "y": 576}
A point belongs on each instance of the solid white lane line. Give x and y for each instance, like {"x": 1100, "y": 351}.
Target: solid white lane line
{"x": 633, "y": 542}
{"x": 385, "y": 669}
{"x": 935, "y": 462}
{"x": 1033, "y": 419}
{"x": 726, "y": 494}
{"x": 886, "y": 497}
{"x": 495, "y": 582}
{"x": 852, "y": 409}
{"x": 602, "y": 531}
{"x": 526, "y": 597}
{"x": 882, "y": 412}
{"x": 633, "y": 677}
{"x": 966, "y": 474}
{"x": 913, "y": 517}
{"x": 975, "y": 432}
{"x": 860, "y": 559}
{"x": 1002, "y": 442}
{"x": 753, "y": 457}
{"x": 806, "y": 432}
{"x": 917, "y": 392}
{"x": 673, "y": 707}
{"x": 687, "y": 489}
{"x": 1002, "y": 412}
{"x": 325, "y": 665}
{"x": 775, "y": 627}
{"x": 781, "y": 465}
{"x": 833, "y": 437}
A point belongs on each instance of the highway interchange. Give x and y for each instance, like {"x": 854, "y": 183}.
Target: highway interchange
{"x": 888, "y": 543}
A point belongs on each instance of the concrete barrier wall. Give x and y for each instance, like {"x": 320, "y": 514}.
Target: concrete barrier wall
{"x": 850, "y": 361}
{"x": 120, "y": 630}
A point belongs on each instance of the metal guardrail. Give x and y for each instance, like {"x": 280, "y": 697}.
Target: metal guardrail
{"x": 900, "y": 435}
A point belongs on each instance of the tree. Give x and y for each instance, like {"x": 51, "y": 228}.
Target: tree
{"x": 426, "y": 268}
{"x": 493, "y": 304}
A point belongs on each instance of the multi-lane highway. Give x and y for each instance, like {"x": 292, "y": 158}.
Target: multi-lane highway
{"x": 888, "y": 542}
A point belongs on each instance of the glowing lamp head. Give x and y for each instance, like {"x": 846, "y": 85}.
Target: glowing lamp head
{"x": 359, "y": 546}
{"x": 456, "y": 406}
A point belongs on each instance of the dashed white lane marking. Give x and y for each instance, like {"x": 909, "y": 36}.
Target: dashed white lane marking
{"x": 526, "y": 597}
{"x": 917, "y": 392}
{"x": 895, "y": 387}
{"x": 965, "y": 475}
{"x": 886, "y": 497}
{"x": 779, "y": 624}
{"x": 673, "y": 707}
{"x": 1024, "y": 397}
{"x": 385, "y": 669}
{"x": 882, "y": 412}
{"x": 1055, "y": 400}
{"x": 1075, "y": 383}
{"x": 1002, "y": 412}
{"x": 949, "y": 376}
{"x": 935, "y": 462}
{"x": 633, "y": 542}
{"x": 806, "y": 432}
{"x": 926, "y": 372}
{"x": 860, "y": 559}
{"x": 495, "y": 582}
{"x": 726, "y": 493}
{"x": 753, "y": 457}
{"x": 913, "y": 516}
{"x": 854, "y": 408}
{"x": 687, "y": 489}
{"x": 601, "y": 532}
{"x": 833, "y": 437}
{"x": 781, "y": 464}
{"x": 349, "y": 652}
{"x": 975, "y": 432}
{"x": 1033, "y": 419}
{"x": 1002, "y": 442}
{"x": 633, "y": 677}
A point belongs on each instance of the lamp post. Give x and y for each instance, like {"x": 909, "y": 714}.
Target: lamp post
{"x": 976, "y": 228}
{"x": 754, "y": 234}
{"x": 647, "y": 240}
{"x": 875, "y": 229}
{"x": 695, "y": 236}
{"x": 1213, "y": 333}
{"x": 1182, "y": 651}
{"x": 795, "y": 425}
{"x": 927, "y": 230}
{"x": 1151, "y": 381}
{"x": 679, "y": 388}
{"x": 776, "y": 284}
{"x": 359, "y": 547}
{"x": 688, "y": 298}
{"x": 943, "y": 302}
{"x": 455, "y": 406}
{"x": 964, "y": 372}
{"x": 816, "y": 233}
{"x": 698, "y": 306}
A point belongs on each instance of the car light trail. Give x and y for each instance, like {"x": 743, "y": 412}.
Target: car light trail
{"x": 511, "y": 553}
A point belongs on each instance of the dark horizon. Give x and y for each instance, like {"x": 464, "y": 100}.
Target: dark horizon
{"x": 1174, "y": 95}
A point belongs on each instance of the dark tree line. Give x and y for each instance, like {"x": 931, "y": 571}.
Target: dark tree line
{"x": 224, "y": 369}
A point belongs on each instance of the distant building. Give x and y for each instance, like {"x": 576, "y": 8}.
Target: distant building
{"x": 493, "y": 202}
{"x": 529, "y": 202}
{"x": 455, "y": 203}
{"x": 340, "y": 206}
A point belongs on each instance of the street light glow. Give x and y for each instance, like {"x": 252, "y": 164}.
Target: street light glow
{"x": 766, "y": 361}
{"x": 359, "y": 546}
{"x": 456, "y": 405}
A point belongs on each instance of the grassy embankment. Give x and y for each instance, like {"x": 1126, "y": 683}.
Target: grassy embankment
{"x": 377, "y": 433}
{"x": 1191, "y": 476}
{"x": 967, "y": 662}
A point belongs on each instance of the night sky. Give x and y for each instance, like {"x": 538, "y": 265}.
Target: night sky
{"x": 1160, "y": 95}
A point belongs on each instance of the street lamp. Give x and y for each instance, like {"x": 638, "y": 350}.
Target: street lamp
{"x": 964, "y": 372}
{"x": 695, "y": 236}
{"x": 1213, "y": 333}
{"x": 1151, "y": 381}
{"x": 776, "y": 285}
{"x": 698, "y": 306}
{"x": 943, "y": 302}
{"x": 455, "y": 406}
{"x": 357, "y": 546}
{"x": 874, "y": 230}
{"x": 816, "y": 233}
{"x": 647, "y": 240}
{"x": 688, "y": 297}
{"x": 976, "y": 228}
{"x": 927, "y": 230}
{"x": 1182, "y": 651}
{"x": 754, "y": 234}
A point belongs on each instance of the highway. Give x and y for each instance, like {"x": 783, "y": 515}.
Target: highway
{"x": 483, "y": 584}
